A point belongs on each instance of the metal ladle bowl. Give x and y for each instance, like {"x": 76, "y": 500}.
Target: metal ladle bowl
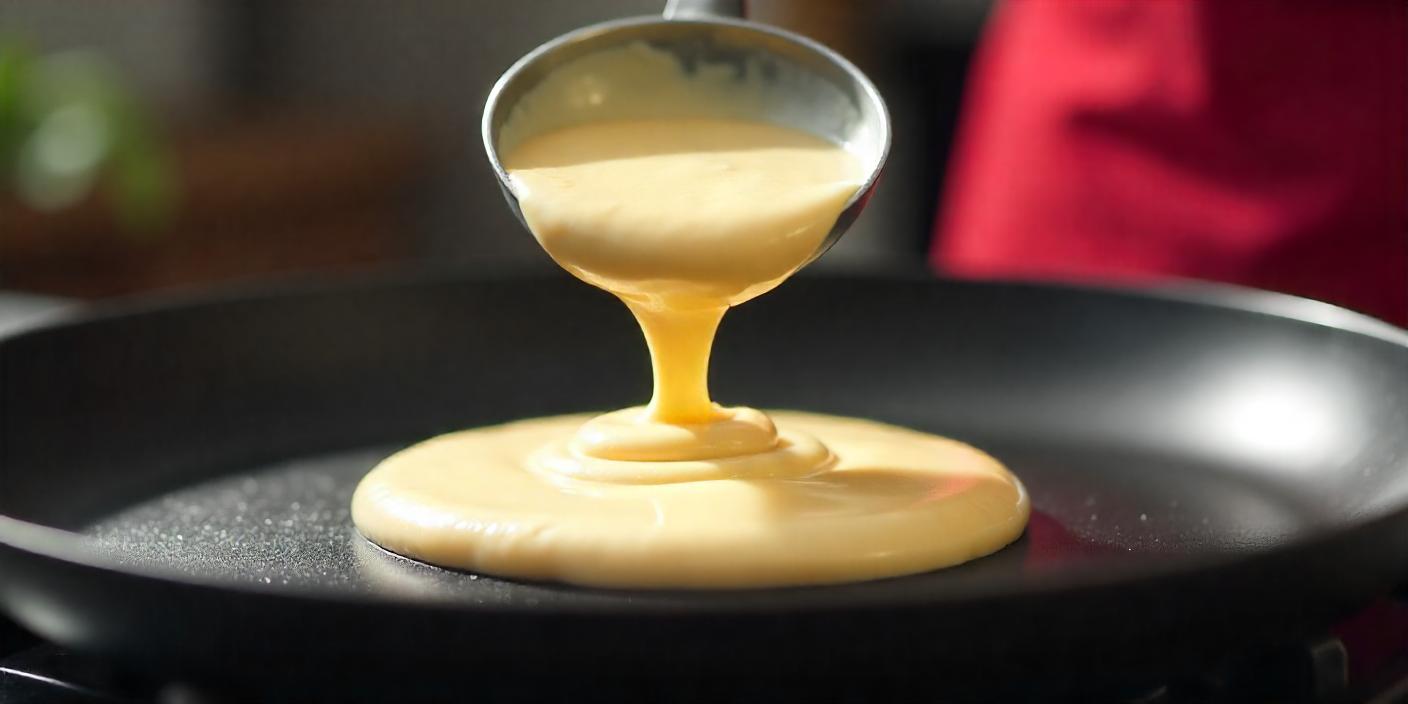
{"x": 805, "y": 85}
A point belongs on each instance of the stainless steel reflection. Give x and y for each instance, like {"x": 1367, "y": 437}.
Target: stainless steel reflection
{"x": 807, "y": 85}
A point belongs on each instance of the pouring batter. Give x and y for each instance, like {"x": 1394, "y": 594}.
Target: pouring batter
{"x": 682, "y": 218}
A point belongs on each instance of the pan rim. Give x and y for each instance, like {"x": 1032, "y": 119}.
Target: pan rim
{"x": 71, "y": 548}
{"x": 1198, "y": 292}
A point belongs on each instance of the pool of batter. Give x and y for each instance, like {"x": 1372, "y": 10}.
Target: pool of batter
{"x": 682, "y": 218}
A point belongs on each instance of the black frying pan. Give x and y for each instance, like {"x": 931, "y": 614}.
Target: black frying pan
{"x": 1216, "y": 466}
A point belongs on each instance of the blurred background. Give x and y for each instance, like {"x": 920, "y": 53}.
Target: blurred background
{"x": 158, "y": 144}
{"x": 292, "y": 136}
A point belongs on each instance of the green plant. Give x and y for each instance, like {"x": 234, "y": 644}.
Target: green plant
{"x": 68, "y": 125}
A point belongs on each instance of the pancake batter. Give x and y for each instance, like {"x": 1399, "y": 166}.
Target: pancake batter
{"x": 682, "y": 218}
{"x": 884, "y": 501}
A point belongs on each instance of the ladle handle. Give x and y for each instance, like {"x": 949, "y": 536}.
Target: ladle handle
{"x": 685, "y": 9}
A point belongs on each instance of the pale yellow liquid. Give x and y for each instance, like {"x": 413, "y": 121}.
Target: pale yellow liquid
{"x": 682, "y": 218}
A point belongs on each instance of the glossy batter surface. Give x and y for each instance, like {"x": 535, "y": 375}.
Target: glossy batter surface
{"x": 686, "y": 213}
{"x": 891, "y": 501}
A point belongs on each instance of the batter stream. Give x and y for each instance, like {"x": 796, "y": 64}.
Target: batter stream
{"x": 681, "y": 219}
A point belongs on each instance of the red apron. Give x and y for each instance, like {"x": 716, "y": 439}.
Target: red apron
{"x": 1256, "y": 142}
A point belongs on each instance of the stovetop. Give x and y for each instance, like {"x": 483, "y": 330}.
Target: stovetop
{"x": 1363, "y": 660}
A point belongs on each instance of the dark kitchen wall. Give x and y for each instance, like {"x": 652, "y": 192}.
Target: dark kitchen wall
{"x": 428, "y": 65}
{"x": 436, "y": 59}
